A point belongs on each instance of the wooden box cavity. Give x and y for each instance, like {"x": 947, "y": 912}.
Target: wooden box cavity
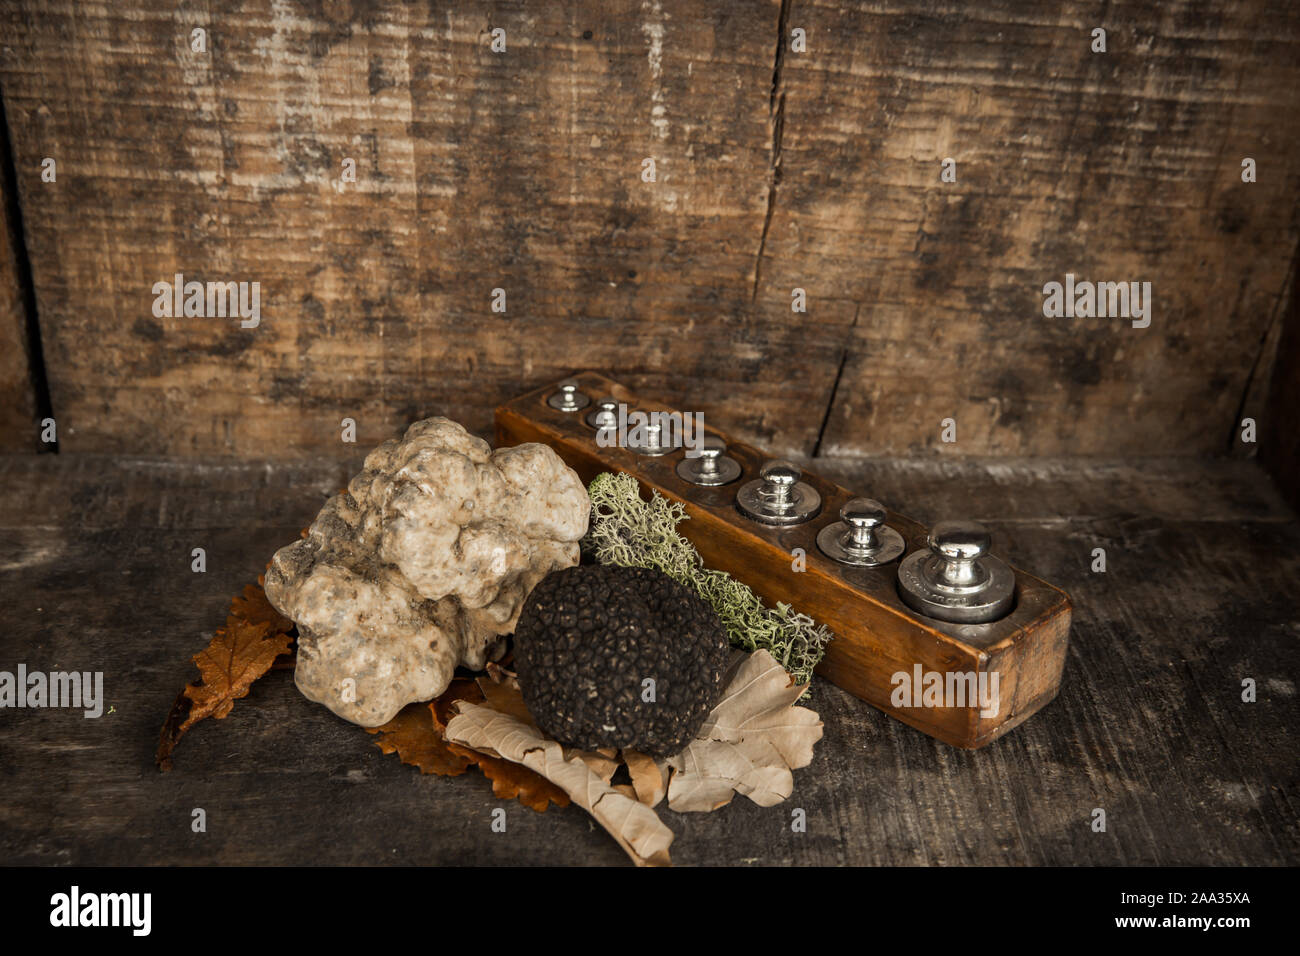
{"x": 876, "y": 636}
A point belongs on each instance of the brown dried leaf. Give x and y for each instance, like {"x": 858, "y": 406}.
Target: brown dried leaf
{"x": 512, "y": 780}
{"x": 252, "y": 606}
{"x": 414, "y": 737}
{"x": 505, "y": 697}
{"x": 460, "y": 688}
{"x": 749, "y": 743}
{"x": 636, "y": 827}
{"x": 240, "y": 653}
{"x": 649, "y": 776}
{"x": 254, "y": 636}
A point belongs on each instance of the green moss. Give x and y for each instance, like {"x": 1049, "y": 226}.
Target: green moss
{"x": 627, "y": 530}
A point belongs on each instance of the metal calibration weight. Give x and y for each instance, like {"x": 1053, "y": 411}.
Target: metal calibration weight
{"x": 957, "y": 579}
{"x": 568, "y": 398}
{"x": 604, "y": 415}
{"x": 653, "y": 444}
{"x": 777, "y": 496}
{"x": 860, "y": 537}
{"x": 712, "y": 467}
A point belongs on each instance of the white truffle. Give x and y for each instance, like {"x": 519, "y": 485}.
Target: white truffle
{"x": 423, "y": 564}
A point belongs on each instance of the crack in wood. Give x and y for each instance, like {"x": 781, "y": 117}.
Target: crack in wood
{"x": 835, "y": 385}
{"x": 776, "y": 114}
{"x": 830, "y": 402}
{"x": 12, "y": 220}
{"x": 1280, "y": 309}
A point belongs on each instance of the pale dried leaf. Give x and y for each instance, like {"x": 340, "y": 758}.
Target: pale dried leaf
{"x": 501, "y": 692}
{"x": 709, "y": 772}
{"x": 509, "y": 780}
{"x": 760, "y": 700}
{"x": 749, "y": 743}
{"x": 637, "y": 828}
{"x": 602, "y": 766}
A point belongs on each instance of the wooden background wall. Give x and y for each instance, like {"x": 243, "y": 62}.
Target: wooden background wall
{"x": 775, "y": 170}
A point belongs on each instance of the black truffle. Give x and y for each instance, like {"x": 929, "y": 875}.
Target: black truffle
{"x": 591, "y": 638}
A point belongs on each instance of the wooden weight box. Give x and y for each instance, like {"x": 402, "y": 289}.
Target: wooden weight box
{"x": 881, "y": 645}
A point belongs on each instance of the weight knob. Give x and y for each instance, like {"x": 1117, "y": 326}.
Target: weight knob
{"x": 568, "y": 398}
{"x": 711, "y": 467}
{"x": 652, "y": 445}
{"x": 861, "y": 537}
{"x": 957, "y": 579}
{"x": 777, "y": 496}
{"x": 604, "y": 415}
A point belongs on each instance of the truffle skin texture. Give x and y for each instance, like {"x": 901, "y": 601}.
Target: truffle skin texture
{"x": 590, "y": 636}
{"x": 422, "y": 565}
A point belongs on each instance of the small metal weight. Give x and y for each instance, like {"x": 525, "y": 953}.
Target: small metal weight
{"x": 712, "y": 466}
{"x": 653, "y": 446}
{"x": 604, "y": 415}
{"x": 861, "y": 537}
{"x": 777, "y": 496}
{"x": 957, "y": 579}
{"x": 568, "y": 398}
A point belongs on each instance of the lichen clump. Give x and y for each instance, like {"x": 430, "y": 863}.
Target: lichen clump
{"x": 629, "y": 531}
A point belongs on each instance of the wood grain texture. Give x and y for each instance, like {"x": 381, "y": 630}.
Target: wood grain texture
{"x": 776, "y": 170}
{"x": 1115, "y": 166}
{"x": 1149, "y": 725}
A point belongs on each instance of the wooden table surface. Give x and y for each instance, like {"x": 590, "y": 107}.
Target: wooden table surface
{"x": 1200, "y": 593}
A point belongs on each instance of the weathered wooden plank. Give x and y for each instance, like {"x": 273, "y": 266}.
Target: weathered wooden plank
{"x": 522, "y": 171}
{"x": 94, "y": 573}
{"x": 1115, "y": 166}
{"x": 476, "y": 171}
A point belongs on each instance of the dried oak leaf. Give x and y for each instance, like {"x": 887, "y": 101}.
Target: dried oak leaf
{"x": 255, "y": 635}
{"x": 253, "y": 607}
{"x": 603, "y": 763}
{"x": 514, "y": 781}
{"x": 649, "y": 776}
{"x": 636, "y": 827}
{"x": 415, "y": 739}
{"x": 750, "y": 742}
{"x": 460, "y": 688}
{"x": 510, "y": 781}
{"x": 504, "y": 695}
